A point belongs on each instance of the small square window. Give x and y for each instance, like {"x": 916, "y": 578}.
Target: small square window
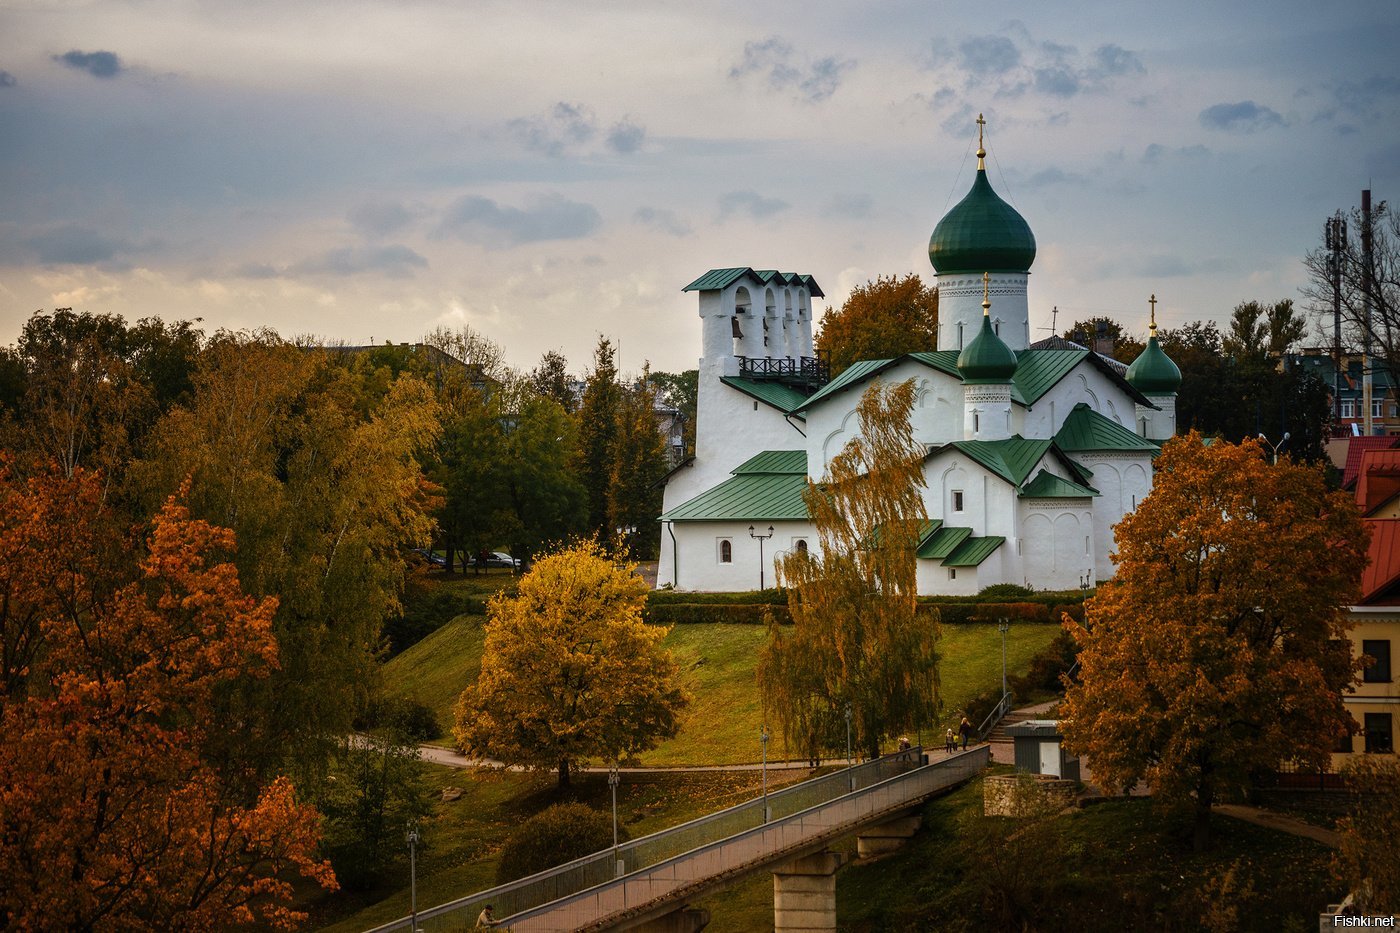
{"x": 957, "y": 500}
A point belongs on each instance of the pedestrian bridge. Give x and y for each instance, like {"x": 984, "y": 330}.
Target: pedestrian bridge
{"x": 646, "y": 882}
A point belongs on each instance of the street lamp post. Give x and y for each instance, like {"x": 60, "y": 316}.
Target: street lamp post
{"x": 1003, "y": 626}
{"x": 413, "y": 839}
{"x": 760, "y": 539}
{"x": 613, "y": 780}
{"x": 850, "y": 774}
{"x": 1274, "y": 449}
{"x": 624, "y": 535}
{"x": 763, "y": 740}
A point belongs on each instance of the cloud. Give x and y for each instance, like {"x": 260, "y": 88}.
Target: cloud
{"x": 381, "y": 218}
{"x": 1369, "y": 99}
{"x": 7, "y": 79}
{"x": 853, "y": 206}
{"x": 989, "y": 54}
{"x": 1243, "y": 117}
{"x": 661, "y": 219}
{"x": 1116, "y": 60}
{"x": 1162, "y": 266}
{"x": 751, "y": 203}
{"x": 565, "y": 126}
{"x": 393, "y": 262}
{"x": 1054, "y": 176}
{"x": 1058, "y": 81}
{"x": 97, "y": 64}
{"x": 772, "y": 59}
{"x": 626, "y": 137}
{"x": 1156, "y": 153}
{"x": 481, "y": 220}
{"x": 74, "y": 245}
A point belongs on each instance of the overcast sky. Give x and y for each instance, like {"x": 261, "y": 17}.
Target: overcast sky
{"x": 548, "y": 172}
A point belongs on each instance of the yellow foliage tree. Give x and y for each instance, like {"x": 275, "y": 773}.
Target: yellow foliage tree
{"x": 1212, "y": 654}
{"x": 570, "y": 671}
{"x": 855, "y": 640}
{"x": 880, "y": 320}
{"x": 1368, "y": 858}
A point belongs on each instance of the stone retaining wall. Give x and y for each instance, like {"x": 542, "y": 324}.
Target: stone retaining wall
{"x": 1026, "y": 794}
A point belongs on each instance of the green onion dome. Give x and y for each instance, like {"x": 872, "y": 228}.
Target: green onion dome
{"x": 982, "y": 233}
{"x": 986, "y": 360}
{"x": 1153, "y": 372}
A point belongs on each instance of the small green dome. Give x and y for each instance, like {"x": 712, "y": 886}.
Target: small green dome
{"x": 982, "y": 233}
{"x": 1153, "y": 372}
{"x": 986, "y": 360}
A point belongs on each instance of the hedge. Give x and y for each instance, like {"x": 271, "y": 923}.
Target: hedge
{"x": 950, "y": 611}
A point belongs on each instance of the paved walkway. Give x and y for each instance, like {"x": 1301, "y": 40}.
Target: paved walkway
{"x": 1284, "y": 824}
{"x": 450, "y": 758}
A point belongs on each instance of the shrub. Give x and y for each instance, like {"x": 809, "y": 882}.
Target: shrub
{"x": 1045, "y": 669}
{"x": 559, "y": 834}
{"x": 980, "y": 707}
{"x": 1005, "y": 591}
{"x": 738, "y": 614}
{"x": 410, "y": 719}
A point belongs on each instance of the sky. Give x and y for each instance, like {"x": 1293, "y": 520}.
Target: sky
{"x": 549, "y": 172}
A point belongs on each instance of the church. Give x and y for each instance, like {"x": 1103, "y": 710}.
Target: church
{"x": 1034, "y": 450}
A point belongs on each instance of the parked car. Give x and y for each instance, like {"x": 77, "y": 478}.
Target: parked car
{"x": 432, "y": 557}
{"x": 501, "y": 559}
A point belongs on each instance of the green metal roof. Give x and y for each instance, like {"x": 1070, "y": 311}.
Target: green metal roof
{"x": 856, "y": 372}
{"x": 1038, "y": 371}
{"x": 749, "y": 497}
{"x": 1086, "y": 429}
{"x": 973, "y": 551}
{"x": 942, "y": 360}
{"x": 1153, "y": 371}
{"x": 987, "y": 360}
{"x": 774, "y": 461}
{"x": 1047, "y": 485}
{"x": 1012, "y": 459}
{"x": 942, "y": 542}
{"x": 717, "y": 279}
{"x": 982, "y": 233}
{"x": 782, "y": 397}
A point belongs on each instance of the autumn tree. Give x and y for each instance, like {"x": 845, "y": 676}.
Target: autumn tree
{"x": 638, "y": 464}
{"x": 1366, "y": 859}
{"x": 1211, "y": 655}
{"x": 571, "y": 672}
{"x": 855, "y": 642}
{"x": 313, "y": 461}
{"x": 112, "y": 813}
{"x": 882, "y": 319}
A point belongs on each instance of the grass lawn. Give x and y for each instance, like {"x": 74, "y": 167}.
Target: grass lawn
{"x": 1112, "y": 867}
{"x": 717, "y": 664}
{"x": 462, "y": 839}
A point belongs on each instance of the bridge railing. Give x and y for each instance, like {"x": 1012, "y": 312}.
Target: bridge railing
{"x": 599, "y": 868}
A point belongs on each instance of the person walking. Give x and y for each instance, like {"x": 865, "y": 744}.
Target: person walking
{"x": 965, "y": 730}
{"x": 950, "y": 741}
{"x": 486, "y": 919}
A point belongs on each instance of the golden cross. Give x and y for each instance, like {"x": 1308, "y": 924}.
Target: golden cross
{"x": 981, "y": 150}
{"x": 980, "y": 123}
{"x": 1153, "y": 302}
{"x": 986, "y": 302}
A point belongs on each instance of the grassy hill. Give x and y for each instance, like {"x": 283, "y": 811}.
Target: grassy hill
{"x": 717, "y": 662}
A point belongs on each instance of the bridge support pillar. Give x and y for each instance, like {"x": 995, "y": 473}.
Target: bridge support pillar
{"x": 876, "y": 841}
{"x": 804, "y": 894}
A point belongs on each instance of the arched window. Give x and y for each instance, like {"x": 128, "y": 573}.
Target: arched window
{"x": 801, "y": 545}
{"x": 726, "y": 551}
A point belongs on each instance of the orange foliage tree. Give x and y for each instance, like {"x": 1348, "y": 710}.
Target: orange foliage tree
{"x": 880, "y": 320}
{"x": 109, "y": 816}
{"x": 1213, "y": 653}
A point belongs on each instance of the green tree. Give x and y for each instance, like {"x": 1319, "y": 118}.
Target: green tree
{"x": 680, "y": 391}
{"x": 855, "y": 642}
{"x": 882, "y": 319}
{"x": 1212, "y": 653}
{"x": 547, "y": 502}
{"x": 570, "y": 671}
{"x": 550, "y": 380}
{"x": 638, "y": 463}
{"x": 598, "y": 420}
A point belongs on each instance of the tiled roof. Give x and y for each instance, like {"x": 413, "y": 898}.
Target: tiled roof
{"x": 1086, "y": 429}
{"x": 973, "y": 551}
{"x": 1047, "y": 485}
{"x": 775, "y": 394}
{"x": 1357, "y": 447}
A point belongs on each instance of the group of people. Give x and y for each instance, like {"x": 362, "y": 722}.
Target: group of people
{"x": 950, "y": 740}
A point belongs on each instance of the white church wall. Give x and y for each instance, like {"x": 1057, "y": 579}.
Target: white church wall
{"x": 697, "y": 550}
{"x": 1084, "y": 383}
{"x": 1057, "y": 550}
{"x": 1123, "y": 480}
{"x": 932, "y": 578}
{"x": 730, "y": 427}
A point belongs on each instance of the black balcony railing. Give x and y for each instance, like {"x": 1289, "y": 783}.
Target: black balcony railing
{"x": 807, "y": 374}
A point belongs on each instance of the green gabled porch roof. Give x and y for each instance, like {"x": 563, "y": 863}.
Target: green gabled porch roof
{"x": 774, "y": 461}
{"x": 972, "y": 551}
{"x": 1012, "y": 458}
{"x": 942, "y": 542}
{"x": 774, "y": 394}
{"x": 1047, "y": 485}
{"x": 1086, "y": 429}
{"x": 753, "y": 497}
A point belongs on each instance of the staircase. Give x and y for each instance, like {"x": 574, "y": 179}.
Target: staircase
{"x": 998, "y": 733}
